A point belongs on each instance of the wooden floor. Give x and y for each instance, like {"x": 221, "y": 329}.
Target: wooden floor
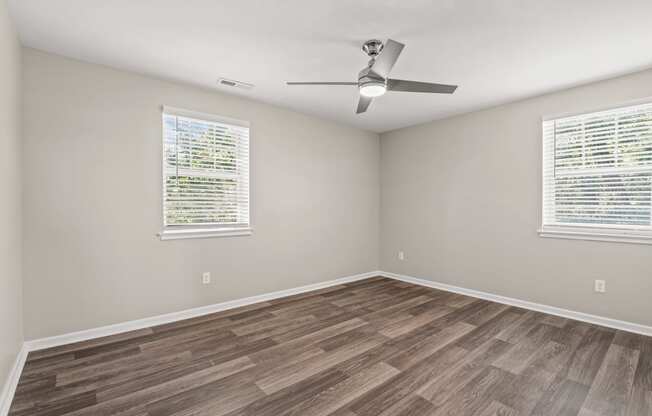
{"x": 373, "y": 347}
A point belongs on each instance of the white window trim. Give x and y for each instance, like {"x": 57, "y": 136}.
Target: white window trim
{"x": 174, "y": 233}
{"x": 597, "y": 109}
{"x": 180, "y": 232}
{"x": 604, "y": 233}
{"x": 203, "y": 116}
{"x": 596, "y": 234}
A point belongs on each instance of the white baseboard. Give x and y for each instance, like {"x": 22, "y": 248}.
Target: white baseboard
{"x": 552, "y": 310}
{"x": 42, "y": 343}
{"x": 9, "y": 388}
{"x": 93, "y": 333}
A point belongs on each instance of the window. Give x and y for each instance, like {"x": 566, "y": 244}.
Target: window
{"x": 597, "y": 175}
{"x": 205, "y": 175}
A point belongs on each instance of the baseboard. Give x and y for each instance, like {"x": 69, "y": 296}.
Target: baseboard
{"x": 552, "y": 310}
{"x": 85, "y": 335}
{"x": 42, "y": 343}
{"x": 9, "y": 388}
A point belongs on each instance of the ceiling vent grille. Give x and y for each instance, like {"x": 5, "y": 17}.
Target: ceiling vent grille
{"x": 225, "y": 82}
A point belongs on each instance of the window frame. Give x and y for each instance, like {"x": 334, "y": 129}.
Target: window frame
{"x": 176, "y": 232}
{"x": 588, "y": 232}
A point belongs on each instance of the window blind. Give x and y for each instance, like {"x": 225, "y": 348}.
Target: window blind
{"x": 205, "y": 171}
{"x": 597, "y": 171}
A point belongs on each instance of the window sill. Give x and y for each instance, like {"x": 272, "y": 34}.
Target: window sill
{"x": 203, "y": 233}
{"x": 596, "y": 235}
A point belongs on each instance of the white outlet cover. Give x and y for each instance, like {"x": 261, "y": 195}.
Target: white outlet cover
{"x": 206, "y": 278}
{"x": 600, "y": 286}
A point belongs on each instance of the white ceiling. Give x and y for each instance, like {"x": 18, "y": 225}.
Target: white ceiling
{"x": 496, "y": 50}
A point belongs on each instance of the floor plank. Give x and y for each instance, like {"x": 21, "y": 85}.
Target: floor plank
{"x": 611, "y": 389}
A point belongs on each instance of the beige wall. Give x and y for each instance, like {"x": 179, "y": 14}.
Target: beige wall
{"x": 11, "y": 324}
{"x": 93, "y": 201}
{"x": 461, "y": 197}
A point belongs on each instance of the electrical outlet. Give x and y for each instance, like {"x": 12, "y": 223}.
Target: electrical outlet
{"x": 401, "y": 255}
{"x": 600, "y": 286}
{"x": 206, "y": 278}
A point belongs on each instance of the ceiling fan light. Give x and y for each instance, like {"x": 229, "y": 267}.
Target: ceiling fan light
{"x": 373, "y": 89}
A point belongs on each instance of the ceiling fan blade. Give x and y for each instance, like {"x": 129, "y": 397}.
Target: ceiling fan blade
{"x": 415, "y": 86}
{"x": 321, "y": 83}
{"x": 384, "y": 63}
{"x": 363, "y": 104}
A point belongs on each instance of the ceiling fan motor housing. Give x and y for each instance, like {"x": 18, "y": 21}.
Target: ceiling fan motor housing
{"x": 368, "y": 75}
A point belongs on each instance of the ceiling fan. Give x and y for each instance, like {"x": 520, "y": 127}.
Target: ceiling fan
{"x": 374, "y": 81}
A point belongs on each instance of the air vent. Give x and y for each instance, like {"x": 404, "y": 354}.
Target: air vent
{"x": 225, "y": 82}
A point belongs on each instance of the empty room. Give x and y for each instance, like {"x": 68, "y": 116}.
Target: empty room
{"x": 326, "y": 208}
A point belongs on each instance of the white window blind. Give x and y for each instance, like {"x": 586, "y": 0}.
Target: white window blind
{"x": 597, "y": 175}
{"x": 205, "y": 175}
